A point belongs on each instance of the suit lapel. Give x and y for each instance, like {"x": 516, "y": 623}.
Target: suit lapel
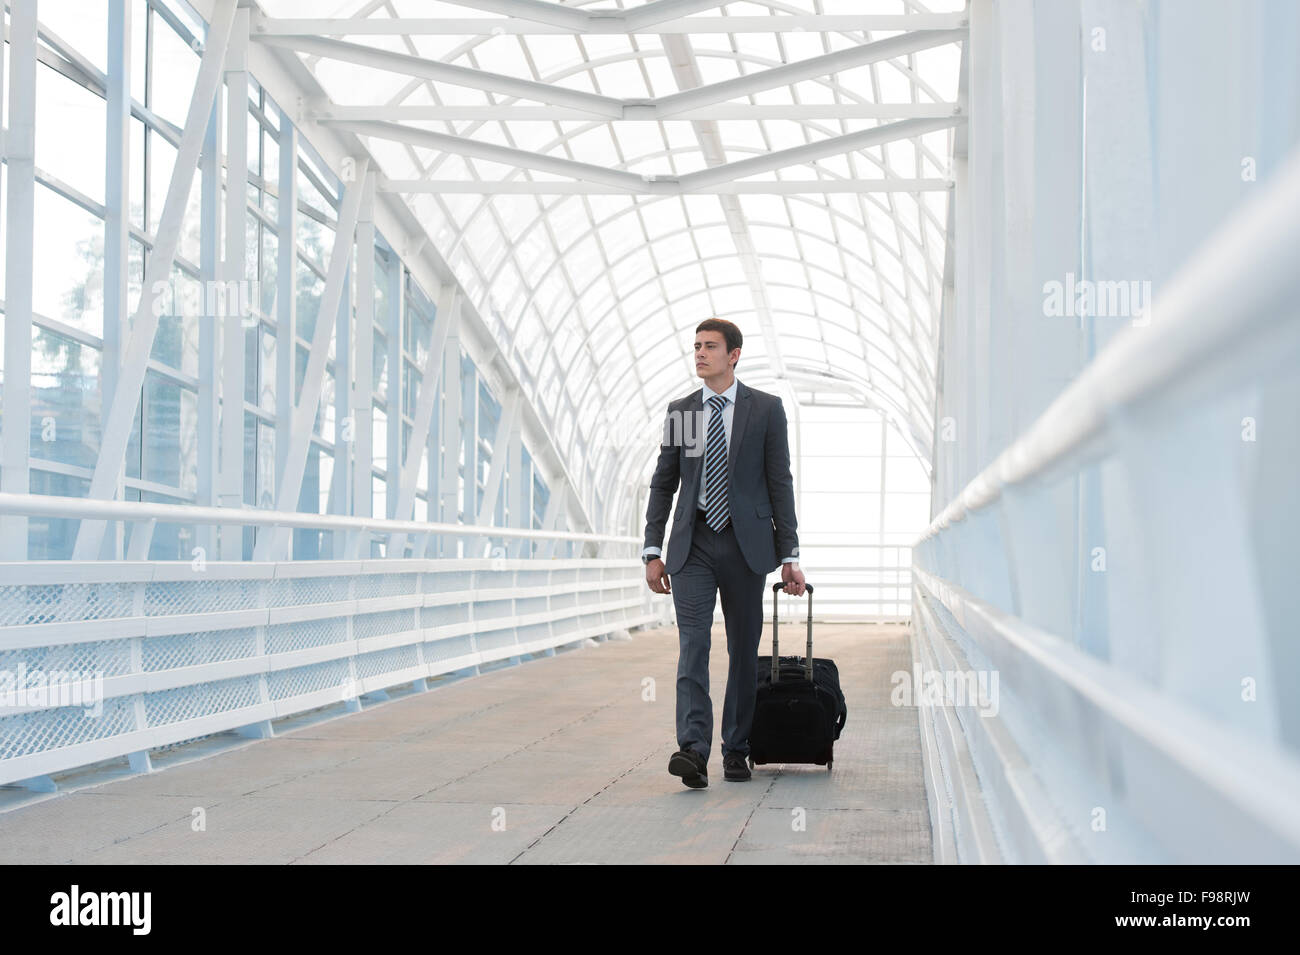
{"x": 695, "y": 408}
{"x": 739, "y": 418}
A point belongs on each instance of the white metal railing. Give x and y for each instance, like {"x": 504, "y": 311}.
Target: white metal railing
{"x": 142, "y": 515}
{"x": 1150, "y": 733}
{"x": 879, "y": 591}
{"x": 153, "y": 653}
{"x": 180, "y": 653}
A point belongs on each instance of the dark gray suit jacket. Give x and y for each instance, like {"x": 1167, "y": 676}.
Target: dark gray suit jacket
{"x": 760, "y": 487}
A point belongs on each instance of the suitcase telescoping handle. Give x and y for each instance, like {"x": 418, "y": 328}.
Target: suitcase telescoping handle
{"x": 776, "y": 653}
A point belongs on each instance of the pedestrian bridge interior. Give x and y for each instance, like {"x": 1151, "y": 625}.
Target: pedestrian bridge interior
{"x": 337, "y": 344}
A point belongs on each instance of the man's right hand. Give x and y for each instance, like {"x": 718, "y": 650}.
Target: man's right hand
{"x": 656, "y": 578}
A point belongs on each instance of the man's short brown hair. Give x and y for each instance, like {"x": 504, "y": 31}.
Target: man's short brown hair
{"x": 730, "y": 333}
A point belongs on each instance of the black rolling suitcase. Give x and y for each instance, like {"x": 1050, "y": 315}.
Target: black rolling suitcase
{"x": 800, "y": 707}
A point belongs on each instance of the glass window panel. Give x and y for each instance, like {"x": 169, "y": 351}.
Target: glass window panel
{"x": 672, "y": 252}
{"x": 310, "y": 289}
{"x": 70, "y": 143}
{"x": 325, "y": 410}
{"x": 171, "y": 434}
{"x": 136, "y": 186}
{"x": 162, "y": 160}
{"x": 50, "y": 538}
{"x": 83, "y": 26}
{"x": 266, "y": 393}
{"x": 176, "y": 342}
{"x": 66, "y": 401}
{"x": 175, "y": 69}
{"x": 67, "y": 261}
{"x": 139, "y": 24}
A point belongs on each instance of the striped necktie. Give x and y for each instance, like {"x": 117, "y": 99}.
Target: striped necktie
{"x": 715, "y": 468}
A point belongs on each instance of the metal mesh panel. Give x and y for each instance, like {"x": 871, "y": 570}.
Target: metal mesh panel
{"x": 378, "y": 624}
{"x": 448, "y": 648}
{"x": 203, "y": 699}
{"x": 494, "y": 609}
{"x": 442, "y": 616}
{"x": 391, "y": 660}
{"x": 386, "y": 585}
{"x": 530, "y": 605}
{"x": 282, "y": 637}
{"x": 447, "y": 583}
{"x": 50, "y": 603}
{"x": 66, "y": 726}
{"x": 107, "y": 657}
{"x": 288, "y": 683}
{"x": 537, "y": 631}
{"x": 192, "y": 649}
{"x": 494, "y": 639}
{"x": 199, "y": 596}
{"x": 494, "y": 580}
{"x": 308, "y": 590}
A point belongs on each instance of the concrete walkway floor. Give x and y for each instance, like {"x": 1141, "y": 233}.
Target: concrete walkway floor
{"x": 560, "y": 760}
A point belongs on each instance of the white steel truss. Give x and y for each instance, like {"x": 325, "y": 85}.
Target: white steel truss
{"x": 565, "y": 160}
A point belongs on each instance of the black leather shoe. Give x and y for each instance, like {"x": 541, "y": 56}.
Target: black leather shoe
{"x": 735, "y": 767}
{"x": 691, "y": 766}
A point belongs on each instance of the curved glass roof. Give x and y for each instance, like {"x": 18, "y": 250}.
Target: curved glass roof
{"x": 601, "y": 179}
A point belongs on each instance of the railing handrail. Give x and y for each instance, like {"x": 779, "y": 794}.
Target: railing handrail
{"x": 1217, "y": 302}
{"x": 41, "y": 505}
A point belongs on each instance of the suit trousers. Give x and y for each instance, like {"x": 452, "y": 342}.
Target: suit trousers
{"x": 715, "y": 565}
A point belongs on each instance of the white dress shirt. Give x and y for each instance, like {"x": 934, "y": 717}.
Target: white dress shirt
{"x": 728, "y": 412}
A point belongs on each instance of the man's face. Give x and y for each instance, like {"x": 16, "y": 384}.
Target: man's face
{"x": 711, "y": 356}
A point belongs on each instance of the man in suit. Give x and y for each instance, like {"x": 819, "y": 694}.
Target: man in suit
{"x": 725, "y": 444}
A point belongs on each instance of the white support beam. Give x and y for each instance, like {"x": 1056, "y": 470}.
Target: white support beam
{"x": 286, "y": 297}
{"x": 782, "y": 76}
{"x": 643, "y": 184}
{"x": 20, "y": 155}
{"x": 497, "y": 187}
{"x": 394, "y": 320}
{"x": 686, "y": 73}
{"x": 208, "y": 457}
{"x": 287, "y": 81}
{"x": 363, "y": 413}
{"x": 289, "y": 487}
{"x": 518, "y": 513}
{"x": 445, "y": 320}
{"x": 802, "y": 112}
{"x": 477, "y": 26}
{"x": 340, "y": 495}
{"x": 580, "y": 21}
{"x": 117, "y": 224}
{"x": 450, "y": 434}
{"x": 117, "y": 430}
{"x": 496, "y": 472}
{"x": 612, "y": 108}
{"x": 551, "y": 519}
{"x": 234, "y": 275}
{"x": 507, "y": 155}
{"x": 592, "y": 104}
{"x": 810, "y": 152}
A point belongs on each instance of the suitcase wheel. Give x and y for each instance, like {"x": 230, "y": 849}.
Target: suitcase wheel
{"x": 751, "y": 761}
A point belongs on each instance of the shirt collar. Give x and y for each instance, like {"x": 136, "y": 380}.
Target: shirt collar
{"x": 706, "y": 392}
